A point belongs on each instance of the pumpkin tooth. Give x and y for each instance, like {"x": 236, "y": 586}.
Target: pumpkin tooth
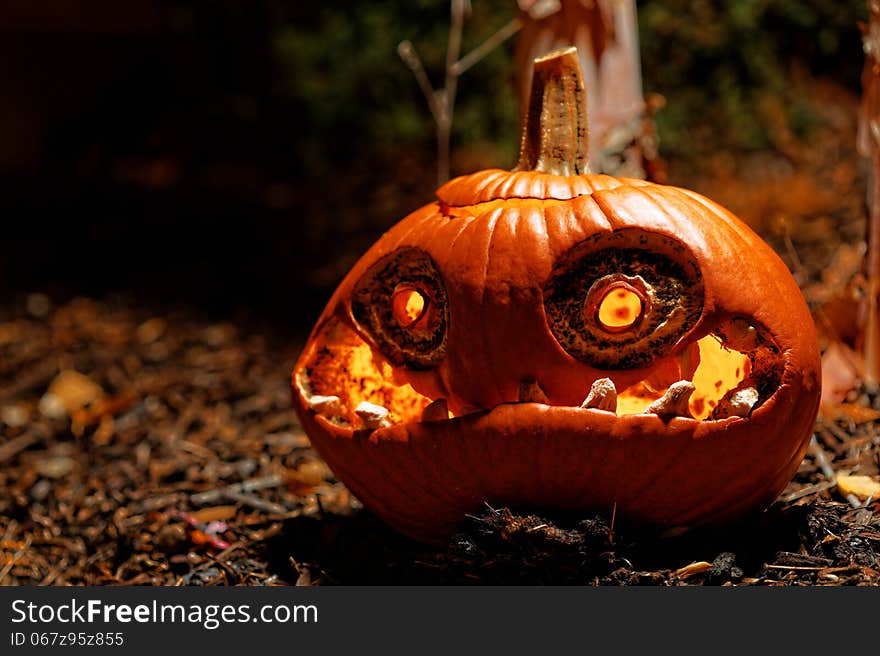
{"x": 738, "y": 403}
{"x": 531, "y": 392}
{"x": 437, "y": 410}
{"x": 602, "y": 396}
{"x": 326, "y": 405}
{"x": 373, "y": 416}
{"x": 674, "y": 402}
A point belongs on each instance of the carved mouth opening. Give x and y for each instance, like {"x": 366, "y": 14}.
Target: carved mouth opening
{"x": 728, "y": 373}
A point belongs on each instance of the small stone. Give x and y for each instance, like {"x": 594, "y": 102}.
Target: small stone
{"x": 310, "y": 473}
{"x": 219, "y": 334}
{"x": 602, "y": 396}
{"x": 55, "y": 467}
{"x": 373, "y": 416}
{"x": 14, "y": 415}
{"x": 737, "y": 404}
{"x": 330, "y": 406}
{"x": 724, "y": 569}
{"x": 674, "y": 402}
{"x": 69, "y": 392}
{"x": 38, "y": 305}
{"x": 246, "y": 466}
{"x": 151, "y": 330}
{"x": 171, "y": 537}
{"x": 41, "y": 490}
{"x": 52, "y": 406}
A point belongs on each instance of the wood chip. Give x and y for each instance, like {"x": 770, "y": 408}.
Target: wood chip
{"x": 858, "y": 413}
{"x": 697, "y": 567}
{"x": 214, "y": 514}
{"x": 862, "y": 487}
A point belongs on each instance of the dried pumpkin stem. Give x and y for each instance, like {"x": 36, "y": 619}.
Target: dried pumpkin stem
{"x": 555, "y": 137}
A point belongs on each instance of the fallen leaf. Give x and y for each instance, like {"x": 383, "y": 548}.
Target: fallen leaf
{"x": 55, "y": 467}
{"x": 858, "y": 413}
{"x": 151, "y": 330}
{"x": 863, "y": 487}
{"x": 694, "y": 568}
{"x": 840, "y": 372}
{"x": 67, "y": 393}
{"x": 103, "y": 408}
{"x": 14, "y": 415}
{"x": 310, "y": 472}
{"x": 214, "y": 514}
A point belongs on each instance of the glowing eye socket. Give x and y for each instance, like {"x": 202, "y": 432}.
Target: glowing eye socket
{"x": 619, "y": 309}
{"x": 408, "y": 305}
{"x": 623, "y": 299}
{"x": 399, "y": 305}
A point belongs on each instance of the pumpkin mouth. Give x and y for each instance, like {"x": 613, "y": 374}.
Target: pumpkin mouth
{"x": 723, "y": 376}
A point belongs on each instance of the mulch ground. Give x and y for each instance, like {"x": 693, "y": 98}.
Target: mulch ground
{"x": 173, "y": 457}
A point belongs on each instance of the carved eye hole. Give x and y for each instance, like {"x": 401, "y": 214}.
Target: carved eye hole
{"x": 621, "y": 300}
{"x": 400, "y": 306}
{"x": 409, "y": 305}
{"x": 621, "y": 308}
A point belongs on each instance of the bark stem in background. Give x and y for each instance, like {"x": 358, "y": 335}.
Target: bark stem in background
{"x": 605, "y": 32}
{"x": 869, "y": 147}
{"x": 442, "y": 101}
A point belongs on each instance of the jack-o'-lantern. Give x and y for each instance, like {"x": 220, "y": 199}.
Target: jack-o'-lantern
{"x": 555, "y": 339}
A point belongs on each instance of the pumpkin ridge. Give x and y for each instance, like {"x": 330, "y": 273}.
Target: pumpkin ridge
{"x": 415, "y": 228}
{"x": 499, "y": 184}
{"x": 484, "y": 338}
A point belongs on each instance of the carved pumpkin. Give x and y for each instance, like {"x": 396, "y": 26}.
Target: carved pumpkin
{"x": 557, "y": 339}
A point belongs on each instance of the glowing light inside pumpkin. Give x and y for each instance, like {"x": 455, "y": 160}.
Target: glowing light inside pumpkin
{"x": 343, "y": 365}
{"x": 720, "y": 370}
{"x": 408, "y": 305}
{"x": 620, "y": 308}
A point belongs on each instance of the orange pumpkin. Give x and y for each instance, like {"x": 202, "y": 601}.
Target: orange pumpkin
{"x": 558, "y": 339}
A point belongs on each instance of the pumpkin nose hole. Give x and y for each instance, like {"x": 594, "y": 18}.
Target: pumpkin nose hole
{"x": 619, "y": 309}
{"x": 408, "y": 305}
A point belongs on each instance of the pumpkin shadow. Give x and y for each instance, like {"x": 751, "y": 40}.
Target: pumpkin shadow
{"x": 350, "y": 549}
{"x": 735, "y": 551}
{"x": 503, "y": 547}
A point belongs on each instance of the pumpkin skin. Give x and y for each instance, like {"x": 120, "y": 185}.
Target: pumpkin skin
{"x": 492, "y": 244}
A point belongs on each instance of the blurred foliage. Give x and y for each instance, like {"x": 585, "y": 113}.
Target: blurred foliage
{"x": 320, "y": 82}
{"x": 731, "y": 69}
{"x": 315, "y": 84}
{"x": 341, "y": 69}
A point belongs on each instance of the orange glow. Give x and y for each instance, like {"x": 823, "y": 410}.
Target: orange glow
{"x": 342, "y": 365}
{"x": 720, "y": 370}
{"x": 620, "y": 308}
{"x": 408, "y": 305}
{"x": 635, "y": 399}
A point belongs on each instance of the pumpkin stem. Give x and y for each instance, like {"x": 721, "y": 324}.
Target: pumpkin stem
{"x": 555, "y": 135}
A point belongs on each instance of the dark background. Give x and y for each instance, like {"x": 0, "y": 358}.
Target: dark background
{"x": 237, "y": 156}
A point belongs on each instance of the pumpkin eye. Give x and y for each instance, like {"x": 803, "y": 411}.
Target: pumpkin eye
{"x": 408, "y": 305}
{"x": 400, "y": 305}
{"x": 620, "y": 308}
{"x": 621, "y": 300}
